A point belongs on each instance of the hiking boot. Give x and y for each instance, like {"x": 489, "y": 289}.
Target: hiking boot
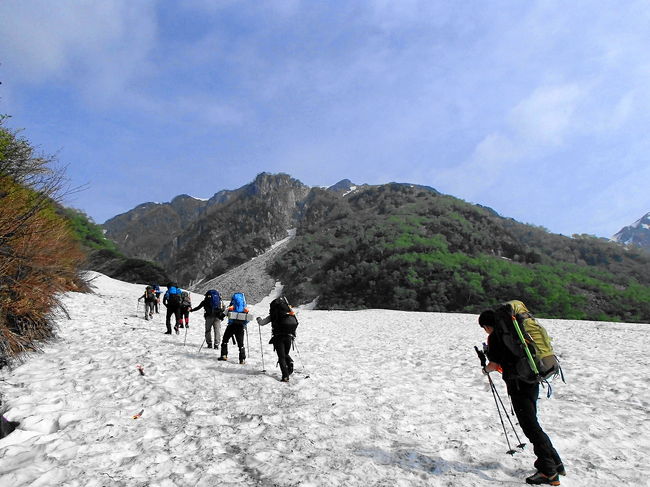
{"x": 176, "y": 329}
{"x": 560, "y": 469}
{"x": 242, "y": 361}
{"x": 181, "y": 325}
{"x": 150, "y": 315}
{"x": 290, "y": 368}
{"x": 538, "y": 478}
{"x": 285, "y": 379}
{"x": 209, "y": 345}
{"x": 223, "y": 358}
{"x": 168, "y": 333}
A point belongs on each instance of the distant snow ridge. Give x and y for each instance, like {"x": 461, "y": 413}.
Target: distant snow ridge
{"x": 636, "y": 234}
{"x": 251, "y": 277}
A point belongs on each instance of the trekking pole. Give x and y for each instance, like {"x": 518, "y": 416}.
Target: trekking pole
{"x": 259, "y": 328}
{"x": 201, "y": 346}
{"x": 505, "y": 411}
{"x": 185, "y": 339}
{"x": 137, "y": 308}
{"x": 248, "y": 343}
{"x": 481, "y": 356}
{"x": 295, "y": 344}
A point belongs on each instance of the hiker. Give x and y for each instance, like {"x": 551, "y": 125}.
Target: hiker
{"x": 149, "y": 297}
{"x": 186, "y": 307}
{"x": 236, "y": 327}
{"x": 523, "y": 389}
{"x": 156, "y": 288}
{"x": 213, "y": 314}
{"x": 283, "y": 329}
{"x": 172, "y": 301}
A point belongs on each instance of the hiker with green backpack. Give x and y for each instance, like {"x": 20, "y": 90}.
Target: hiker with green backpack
{"x": 149, "y": 297}
{"x": 519, "y": 347}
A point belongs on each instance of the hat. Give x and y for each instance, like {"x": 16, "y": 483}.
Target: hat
{"x": 487, "y": 318}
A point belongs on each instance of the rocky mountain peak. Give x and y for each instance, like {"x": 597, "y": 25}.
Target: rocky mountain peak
{"x": 637, "y": 234}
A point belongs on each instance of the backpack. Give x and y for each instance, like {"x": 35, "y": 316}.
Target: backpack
{"x": 213, "y": 304}
{"x": 186, "y": 300}
{"x": 527, "y": 342}
{"x": 237, "y": 310}
{"x": 238, "y": 303}
{"x": 174, "y": 296}
{"x": 149, "y": 294}
{"x": 283, "y": 319}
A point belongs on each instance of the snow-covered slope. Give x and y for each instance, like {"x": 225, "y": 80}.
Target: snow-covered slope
{"x": 379, "y": 398}
{"x": 250, "y": 277}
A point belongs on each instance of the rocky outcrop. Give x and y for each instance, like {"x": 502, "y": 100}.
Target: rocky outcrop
{"x": 143, "y": 232}
{"x": 228, "y": 234}
{"x": 637, "y": 234}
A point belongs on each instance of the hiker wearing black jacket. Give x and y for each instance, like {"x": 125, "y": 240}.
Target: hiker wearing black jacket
{"x": 283, "y": 327}
{"x": 213, "y": 319}
{"x": 172, "y": 301}
{"x": 523, "y": 395}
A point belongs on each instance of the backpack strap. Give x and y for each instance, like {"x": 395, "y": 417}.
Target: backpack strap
{"x": 531, "y": 361}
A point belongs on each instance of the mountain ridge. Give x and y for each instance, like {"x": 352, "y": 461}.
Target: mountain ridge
{"x": 414, "y": 246}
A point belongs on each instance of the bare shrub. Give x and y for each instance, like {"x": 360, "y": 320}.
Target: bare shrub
{"x": 39, "y": 256}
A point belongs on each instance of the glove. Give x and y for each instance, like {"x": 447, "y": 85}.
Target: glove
{"x": 259, "y": 320}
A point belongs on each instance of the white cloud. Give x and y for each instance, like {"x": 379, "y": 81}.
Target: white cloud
{"x": 546, "y": 116}
{"x": 98, "y": 46}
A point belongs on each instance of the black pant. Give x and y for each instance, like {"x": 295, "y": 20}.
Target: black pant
{"x": 236, "y": 329}
{"x": 282, "y": 345}
{"x": 176, "y": 311}
{"x": 524, "y": 402}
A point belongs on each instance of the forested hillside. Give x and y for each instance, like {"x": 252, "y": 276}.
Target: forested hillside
{"x": 401, "y": 247}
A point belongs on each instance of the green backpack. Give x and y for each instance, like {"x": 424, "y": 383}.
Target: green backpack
{"x": 548, "y": 366}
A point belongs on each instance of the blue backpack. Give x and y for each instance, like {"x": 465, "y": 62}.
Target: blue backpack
{"x": 238, "y": 301}
{"x": 174, "y": 296}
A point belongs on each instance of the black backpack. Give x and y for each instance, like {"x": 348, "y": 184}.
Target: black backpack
{"x": 518, "y": 347}
{"x": 283, "y": 319}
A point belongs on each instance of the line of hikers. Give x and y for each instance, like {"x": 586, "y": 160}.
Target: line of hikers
{"x": 518, "y": 347}
{"x": 179, "y": 304}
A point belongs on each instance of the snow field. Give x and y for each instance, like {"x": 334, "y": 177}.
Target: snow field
{"x": 393, "y": 398}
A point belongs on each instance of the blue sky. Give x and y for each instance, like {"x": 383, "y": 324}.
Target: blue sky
{"x": 538, "y": 109}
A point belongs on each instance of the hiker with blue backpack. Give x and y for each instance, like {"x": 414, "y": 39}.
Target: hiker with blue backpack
{"x": 156, "y": 288}
{"x": 213, "y": 313}
{"x": 172, "y": 301}
{"x": 237, "y": 313}
{"x": 523, "y": 354}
